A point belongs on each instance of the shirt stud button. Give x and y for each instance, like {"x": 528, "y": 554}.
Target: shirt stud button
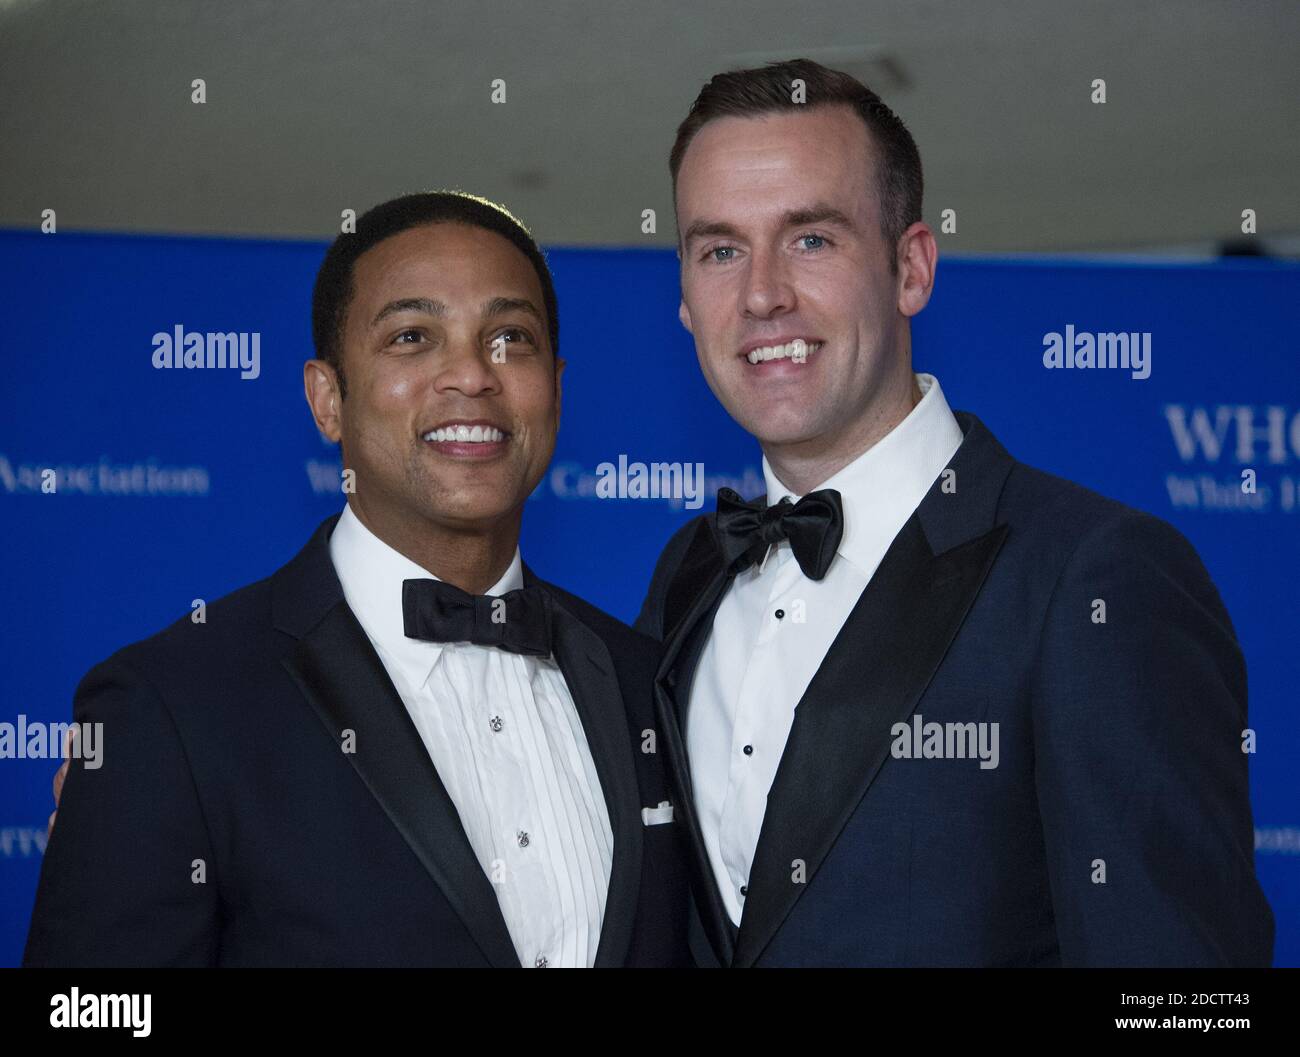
{"x": 541, "y": 962}
{"x": 522, "y": 839}
{"x": 749, "y": 750}
{"x": 780, "y": 614}
{"x": 744, "y": 890}
{"x": 495, "y": 724}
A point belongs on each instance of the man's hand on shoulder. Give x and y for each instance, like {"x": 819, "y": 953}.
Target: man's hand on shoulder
{"x": 59, "y": 776}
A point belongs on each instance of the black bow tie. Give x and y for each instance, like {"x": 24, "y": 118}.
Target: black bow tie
{"x": 518, "y": 621}
{"x": 813, "y": 526}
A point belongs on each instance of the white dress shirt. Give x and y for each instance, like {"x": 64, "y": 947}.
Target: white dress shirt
{"x": 774, "y": 627}
{"x": 505, "y": 737}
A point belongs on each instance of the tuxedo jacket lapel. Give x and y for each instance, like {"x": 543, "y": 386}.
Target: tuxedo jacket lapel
{"x": 342, "y": 677}
{"x": 689, "y": 614}
{"x": 872, "y": 677}
{"x": 880, "y": 664}
{"x": 589, "y": 672}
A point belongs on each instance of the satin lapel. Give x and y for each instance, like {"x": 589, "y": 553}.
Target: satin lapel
{"x": 701, "y": 571}
{"x": 874, "y": 673}
{"x": 589, "y": 673}
{"x": 343, "y": 678}
{"x": 693, "y": 596}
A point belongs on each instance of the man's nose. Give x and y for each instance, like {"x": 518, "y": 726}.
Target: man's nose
{"x": 768, "y": 290}
{"x": 468, "y": 368}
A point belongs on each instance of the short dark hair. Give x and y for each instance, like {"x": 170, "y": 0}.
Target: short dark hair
{"x": 767, "y": 89}
{"x": 333, "y": 291}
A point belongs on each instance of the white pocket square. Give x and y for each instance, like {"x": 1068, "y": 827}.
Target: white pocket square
{"x": 657, "y": 816}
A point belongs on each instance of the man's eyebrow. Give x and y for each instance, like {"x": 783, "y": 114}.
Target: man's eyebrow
{"x": 410, "y": 304}
{"x": 816, "y": 214}
{"x": 819, "y": 213}
{"x": 701, "y": 229}
{"x": 499, "y": 306}
{"x": 495, "y": 306}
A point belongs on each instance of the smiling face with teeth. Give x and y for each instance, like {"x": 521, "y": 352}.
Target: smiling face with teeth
{"x": 453, "y": 392}
{"x": 801, "y": 329}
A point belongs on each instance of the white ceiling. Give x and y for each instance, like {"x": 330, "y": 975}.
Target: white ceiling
{"x": 313, "y": 107}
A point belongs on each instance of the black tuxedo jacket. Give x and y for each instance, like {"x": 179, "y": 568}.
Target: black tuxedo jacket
{"x": 1116, "y": 828}
{"x": 227, "y": 826}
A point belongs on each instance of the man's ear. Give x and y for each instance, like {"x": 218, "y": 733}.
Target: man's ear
{"x": 917, "y": 256}
{"x": 559, "y": 389}
{"x": 684, "y": 314}
{"x": 320, "y": 385}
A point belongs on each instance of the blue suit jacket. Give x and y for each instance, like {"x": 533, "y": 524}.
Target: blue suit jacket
{"x": 223, "y": 742}
{"x": 1116, "y": 828}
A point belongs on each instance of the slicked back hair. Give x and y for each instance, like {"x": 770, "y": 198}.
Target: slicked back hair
{"x": 770, "y": 89}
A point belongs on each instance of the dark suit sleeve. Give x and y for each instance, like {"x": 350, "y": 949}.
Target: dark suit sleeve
{"x": 116, "y": 886}
{"x": 1138, "y": 759}
{"x": 651, "y": 619}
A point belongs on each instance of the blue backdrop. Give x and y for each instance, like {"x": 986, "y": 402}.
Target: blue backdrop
{"x": 178, "y": 485}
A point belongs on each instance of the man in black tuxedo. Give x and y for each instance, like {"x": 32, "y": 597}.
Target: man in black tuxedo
{"x": 929, "y": 706}
{"x": 355, "y": 762}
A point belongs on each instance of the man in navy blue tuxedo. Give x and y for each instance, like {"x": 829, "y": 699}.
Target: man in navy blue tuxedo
{"x": 402, "y": 748}
{"x": 928, "y": 706}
